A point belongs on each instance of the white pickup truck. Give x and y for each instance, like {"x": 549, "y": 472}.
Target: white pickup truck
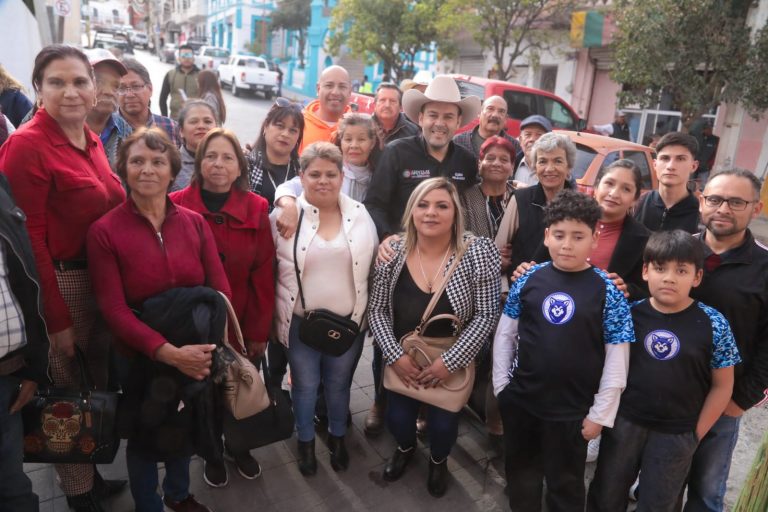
{"x": 248, "y": 73}
{"x": 211, "y": 57}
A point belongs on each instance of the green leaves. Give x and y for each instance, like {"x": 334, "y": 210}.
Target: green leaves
{"x": 696, "y": 51}
{"x": 393, "y": 31}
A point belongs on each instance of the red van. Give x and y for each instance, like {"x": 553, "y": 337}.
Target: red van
{"x": 521, "y": 103}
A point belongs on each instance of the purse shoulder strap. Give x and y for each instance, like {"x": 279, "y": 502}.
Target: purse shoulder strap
{"x": 295, "y": 262}
{"x": 232, "y": 320}
{"x": 439, "y": 291}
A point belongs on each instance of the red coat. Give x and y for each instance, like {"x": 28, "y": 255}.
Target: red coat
{"x": 62, "y": 190}
{"x": 244, "y": 240}
{"x": 130, "y": 263}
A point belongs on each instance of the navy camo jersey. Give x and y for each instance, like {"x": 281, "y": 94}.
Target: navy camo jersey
{"x": 670, "y": 366}
{"x": 565, "y": 320}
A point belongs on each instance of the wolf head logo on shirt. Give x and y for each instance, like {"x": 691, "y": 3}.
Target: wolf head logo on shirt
{"x": 662, "y": 345}
{"x": 558, "y": 308}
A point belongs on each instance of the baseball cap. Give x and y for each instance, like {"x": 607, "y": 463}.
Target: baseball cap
{"x": 110, "y": 60}
{"x": 537, "y": 119}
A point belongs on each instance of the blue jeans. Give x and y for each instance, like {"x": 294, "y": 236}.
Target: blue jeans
{"x": 442, "y": 425}
{"x": 711, "y": 465}
{"x": 663, "y": 460}
{"x": 142, "y": 474}
{"x": 310, "y": 367}
{"x": 15, "y": 487}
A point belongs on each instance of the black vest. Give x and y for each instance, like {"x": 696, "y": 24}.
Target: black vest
{"x": 528, "y": 243}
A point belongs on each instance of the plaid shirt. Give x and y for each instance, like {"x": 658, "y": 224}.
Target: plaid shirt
{"x": 12, "y": 333}
{"x": 169, "y": 125}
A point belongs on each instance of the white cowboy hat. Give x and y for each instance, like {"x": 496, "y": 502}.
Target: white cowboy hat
{"x": 442, "y": 89}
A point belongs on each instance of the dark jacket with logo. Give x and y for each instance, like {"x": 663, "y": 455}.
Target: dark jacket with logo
{"x": 404, "y": 164}
{"x": 30, "y": 361}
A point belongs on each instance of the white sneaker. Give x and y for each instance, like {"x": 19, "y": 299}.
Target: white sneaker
{"x": 593, "y": 449}
{"x": 633, "y": 491}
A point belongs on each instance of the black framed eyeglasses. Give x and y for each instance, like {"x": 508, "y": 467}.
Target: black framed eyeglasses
{"x": 736, "y": 204}
{"x": 134, "y": 89}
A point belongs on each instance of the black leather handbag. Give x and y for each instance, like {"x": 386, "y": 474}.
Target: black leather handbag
{"x": 273, "y": 424}
{"x": 321, "y": 329}
{"x": 71, "y": 426}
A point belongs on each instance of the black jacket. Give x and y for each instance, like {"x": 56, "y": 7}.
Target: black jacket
{"x": 152, "y": 416}
{"x": 465, "y": 140}
{"x": 627, "y": 257}
{"x": 738, "y": 288}
{"x": 404, "y": 127}
{"x": 25, "y": 285}
{"x": 652, "y": 213}
{"x": 404, "y": 164}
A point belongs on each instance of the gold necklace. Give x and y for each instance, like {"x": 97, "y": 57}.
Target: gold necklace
{"x": 439, "y": 268}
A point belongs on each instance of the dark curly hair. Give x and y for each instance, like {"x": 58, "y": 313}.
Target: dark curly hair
{"x": 571, "y": 205}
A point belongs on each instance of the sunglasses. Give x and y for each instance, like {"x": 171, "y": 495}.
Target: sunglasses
{"x": 281, "y": 102}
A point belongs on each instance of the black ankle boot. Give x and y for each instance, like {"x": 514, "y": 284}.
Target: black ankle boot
{"x": 397, "y": 464}
{"x": 437, "y": 482}
{"x": 307, "y": 459}
{"x": 106, "y": 488}
{"x": 87, "y": 502}
{"x": 339, "y": 454}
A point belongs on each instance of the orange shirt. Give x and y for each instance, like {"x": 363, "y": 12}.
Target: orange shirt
{"x": 316, "y": 129}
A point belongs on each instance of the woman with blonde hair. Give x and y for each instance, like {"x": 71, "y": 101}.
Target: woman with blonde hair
{"x": 403, "y": 287}
{"x": 14, "y": 104}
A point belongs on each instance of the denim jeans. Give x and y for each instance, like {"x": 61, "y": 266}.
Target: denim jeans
{"x": 142, "y": 474}
{"x": 442, "y": 425}
{"x": 308, "y": 369}
{"x": 663, "y": 460}
{"x": 711, "y": 465}
{"x": 15, "y": 487}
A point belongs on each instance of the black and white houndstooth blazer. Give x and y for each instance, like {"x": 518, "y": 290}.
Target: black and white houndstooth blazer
{"x": 473, "y": 291}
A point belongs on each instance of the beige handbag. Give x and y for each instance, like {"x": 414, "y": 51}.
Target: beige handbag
{"x": 244, "y": 391}
{"x": 453, "y": 393}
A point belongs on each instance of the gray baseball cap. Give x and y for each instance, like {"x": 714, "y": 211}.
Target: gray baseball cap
{"x": 536, "y": 119}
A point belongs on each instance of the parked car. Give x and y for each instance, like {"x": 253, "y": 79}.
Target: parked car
{"x": 596, "y": 151}
{"x": 168, "y": 53}
{"x": 140, "y": 39}
{"x": 211, "y": 57}
{"x": 248, "y": 73}
{"x": 521, "y": 103}
{"x": 106, "y": 41}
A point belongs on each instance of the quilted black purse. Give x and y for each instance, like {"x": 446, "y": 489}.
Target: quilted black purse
{"x": 321, "y": 329}
{"x": 71, "y": 426}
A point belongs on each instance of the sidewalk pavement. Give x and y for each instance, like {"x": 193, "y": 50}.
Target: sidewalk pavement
{"x": 477, "y": 472}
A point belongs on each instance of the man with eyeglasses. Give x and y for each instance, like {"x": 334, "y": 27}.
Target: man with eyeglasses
{"x": 736, "y": 284}
{"x": 133, "y": 97}
{"x": 323, "y": 114}
{"x": 672, "y": 206}
{"x": 108, "y": 71}
{"x": 180, "y": 83}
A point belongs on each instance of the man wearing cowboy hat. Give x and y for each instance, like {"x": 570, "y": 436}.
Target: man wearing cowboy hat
{"x": 408, "y": 161}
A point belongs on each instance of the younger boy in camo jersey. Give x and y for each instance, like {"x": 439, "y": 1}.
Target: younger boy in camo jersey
{"x": 560, "y": 360}
{"x": 680, "y": 381}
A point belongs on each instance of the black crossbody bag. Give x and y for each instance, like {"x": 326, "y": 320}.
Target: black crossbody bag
{"x": 321, "y": 329}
